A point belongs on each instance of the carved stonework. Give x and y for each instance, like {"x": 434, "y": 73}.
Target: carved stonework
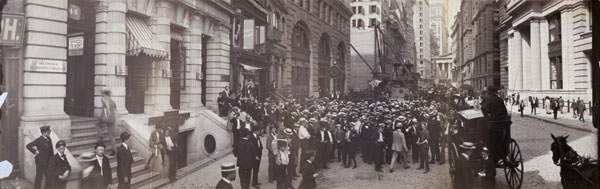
{"x": 102, "y": 6}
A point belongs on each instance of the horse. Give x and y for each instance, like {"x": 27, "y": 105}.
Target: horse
{"x": 575, "y": 171}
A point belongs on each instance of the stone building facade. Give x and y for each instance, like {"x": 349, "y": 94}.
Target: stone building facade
{"x": 548, "y": 44}
{"x": 422, "y": 41}
{"x": 155, "y": 56}
{"x": 317, "y": 36}
{"x": 486, "y": 60}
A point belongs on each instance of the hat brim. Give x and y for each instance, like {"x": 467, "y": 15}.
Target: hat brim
{"x": 230, "y": 170}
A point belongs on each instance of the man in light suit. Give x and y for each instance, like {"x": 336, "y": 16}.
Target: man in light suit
{"x": 156, "y": 145}
{"x": 124, "y": 161}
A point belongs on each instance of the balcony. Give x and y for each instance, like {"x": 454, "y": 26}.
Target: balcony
{"x": 274, "y": 35}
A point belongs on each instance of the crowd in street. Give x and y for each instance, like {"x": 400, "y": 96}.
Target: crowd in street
{"x": 549, "y": 105}
{"x": 304, "y": 137}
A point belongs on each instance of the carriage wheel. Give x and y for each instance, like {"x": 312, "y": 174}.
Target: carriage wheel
{"x": 513, "y": 165}
{"x": 452, "y": 157}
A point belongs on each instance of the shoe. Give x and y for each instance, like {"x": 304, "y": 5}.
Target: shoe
{"x": 354, "y": 167}
{"x": 442, "y": 162}
{"x": 342, "y": 165}
{"x": 419, "y": 168}
{"x": 425, "y": 172}
{"x": 325, "y": 167}
{"x": 256, "y": 186}
{"x": 347, "y": 166}
{"x": 258, "y": 183}
{"x": 391, "y": 170}
{"x": 406, "y": 167}
{"x": 431, "y": 162}
{"x": 271, "y": 181}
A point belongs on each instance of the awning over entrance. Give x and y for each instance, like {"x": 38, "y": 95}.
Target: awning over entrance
{"x": 141, "y": 40}
{"x": 250, "y": 68}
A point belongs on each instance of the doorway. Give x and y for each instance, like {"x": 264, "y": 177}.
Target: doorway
{"x": 178, "y": 72}
{"x": 81, "y": 32}
{"x": 182, "y": 149}
{"x": 136, "y": 82}
{"x": 203, "y": 68}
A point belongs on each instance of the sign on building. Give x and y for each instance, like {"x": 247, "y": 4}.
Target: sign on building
{"x": 12, "y": 29}
{"x": 41, "y": 65}
{"x": 248, "y": 34}
{"x": 76, "y": 45}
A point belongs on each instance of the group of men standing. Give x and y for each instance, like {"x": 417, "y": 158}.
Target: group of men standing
{"x": 311, "y": 135}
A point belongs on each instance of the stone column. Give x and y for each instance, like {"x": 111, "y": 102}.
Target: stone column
{"x": 217, "y": 65}
{"x": 535, "y": 63}
{"x": 566, "y": 26}
{"x": 545, "y": 61}
{"x": 44, "y": 90}
{"x": 190, "y": 97}
{"x": 518, "y": 60}
{"x": 110, "y": 53}
{"x": 160, "y": 86}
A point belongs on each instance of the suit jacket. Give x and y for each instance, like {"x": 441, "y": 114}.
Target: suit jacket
{"x": 44, "y": 147}
{"x": 259, "y": 146}
{"x": 319, "y": 137}
{"x": 56, "y": 168}
{"x": 399, "y": 141}
{"x": 270, "y": 147}
{"x": 434, "y": 128}
{"x": 223, "y": 185}
{"x": 308, "y": 179}
{"x": 97, "y": 180}
{"x": 245, "y": 151}
{"x": 234, "y": 124}
{"x": 156, "y": 140}
{"x": 124, "y": 162}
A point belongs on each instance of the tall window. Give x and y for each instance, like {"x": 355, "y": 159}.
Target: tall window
{"x": 353, "y": 10}
{"x": 360, "y": 10}
{"x": 353, "y": 23}
{"x": 373, "y": 9}
{"x": 554, "y": 28}
{"x": 360, "y": 23}
{"x": 372, "y": 22}
{"x": 556, "y": 73}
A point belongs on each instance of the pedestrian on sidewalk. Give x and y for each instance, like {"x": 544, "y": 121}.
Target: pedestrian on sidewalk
{"x": 228, "y": 174}
{"x": 108, "y": 119}
{"x": 423, "y": 144}
{"x": 522, "y": 107}
{"x": 581, "y": 109}
{"x": 245, "y": 151}
{"x": 555, "y": 107}
{"x": 282, "y": 159}
{"x": 561, "y": 103}
{"x": 533, "y": 104}
{"x": 272, "y": 150}
{"x": 574, "y": 106}
{"x": 548, "y": 105}
{"x": 399, "y": 148}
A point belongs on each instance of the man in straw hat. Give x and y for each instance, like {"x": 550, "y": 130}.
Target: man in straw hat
{"x": 43, "y": 151}
{"x": 228, "y": 173}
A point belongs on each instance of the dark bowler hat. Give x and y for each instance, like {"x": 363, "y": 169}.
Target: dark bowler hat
{"x": 125, "y": 136}
{"x": 492, "y": 89}
{"x": 98, "y": 144}
{"x": 44, "y": 128}
{"x": 228, "y": 167}
{"x": 61, "y": 143}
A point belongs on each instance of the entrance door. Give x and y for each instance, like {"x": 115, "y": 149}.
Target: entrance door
{"x": 136, "y": 83}
{"x": 182, "y": 147}
{"x": 79, "y": 99}
{"x": 203, "y": 68}
{"x": 9, "y": 82}
{"x": 178, "y": 71}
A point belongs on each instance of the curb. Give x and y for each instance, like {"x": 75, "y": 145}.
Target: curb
{"x": 561, "y": 124}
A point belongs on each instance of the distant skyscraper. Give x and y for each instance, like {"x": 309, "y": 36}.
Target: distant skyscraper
{"x": 422, "y": 40}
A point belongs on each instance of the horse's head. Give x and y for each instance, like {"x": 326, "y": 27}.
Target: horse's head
{"x": 559, "y": 148}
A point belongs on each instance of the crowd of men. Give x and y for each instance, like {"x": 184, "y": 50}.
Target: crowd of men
{"x": 381, "y": 132}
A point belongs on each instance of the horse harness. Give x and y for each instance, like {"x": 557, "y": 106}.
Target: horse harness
{"x": 576, "y": 165}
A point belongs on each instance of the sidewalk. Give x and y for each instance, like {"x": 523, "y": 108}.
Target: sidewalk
{"x": 566, "y": 119}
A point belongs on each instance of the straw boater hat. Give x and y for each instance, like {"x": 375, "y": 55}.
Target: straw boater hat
{"x": 467, "y": 146}
{"x": 288, "y": 132}
{"x": 228, "y": 167}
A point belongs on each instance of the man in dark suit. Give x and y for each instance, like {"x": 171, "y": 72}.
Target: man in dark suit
{"x": 423, "y": 144}
{"x": 245, "y": 151}
{"x": 58, "y": 169}
{"x": 378, "y": 140}
{"x": 124, "y": 161}
{"x": 171, "y": 148}
{"x": 101, "y": 175}
{"x": 228, "y": 174}
{"x": 236, "y": 124}
{"x": 42, "y": 148}
{"x": 308, "y": 171}
{"x": 324, "y": 137}
{"x": 255, "y": 139}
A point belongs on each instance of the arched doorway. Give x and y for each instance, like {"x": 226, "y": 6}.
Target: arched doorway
{"x": 300, "y": 61}
{"x": 338, "y": 82}
{"x": 324, "y": 64}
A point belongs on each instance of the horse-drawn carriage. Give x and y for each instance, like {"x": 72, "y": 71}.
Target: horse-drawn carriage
{"x": 474, "y": 140}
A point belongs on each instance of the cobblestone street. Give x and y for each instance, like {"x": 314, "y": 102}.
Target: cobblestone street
{"x": 532, "y": 135}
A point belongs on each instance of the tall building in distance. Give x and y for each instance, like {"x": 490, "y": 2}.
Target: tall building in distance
{"x": 422, "y": 41}
{"x": 486, "y": 60}
{"x": 367, "y": 14}
{"x": 438, "y": 14}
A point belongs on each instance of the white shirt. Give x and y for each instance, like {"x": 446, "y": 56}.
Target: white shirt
{"x": 380, "y": 137}
{"x": 227, "y": 181}
{"x": 322, "y": 136}
{"x": 238, "y": 123}
{"x": 303, "y": 133}
{"x": 125, "y": 145}
{"x": 169, "y": 142}
{"x": 99, "y": 158}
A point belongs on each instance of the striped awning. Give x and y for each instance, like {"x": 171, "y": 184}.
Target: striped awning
{"x": 141, "y": 40}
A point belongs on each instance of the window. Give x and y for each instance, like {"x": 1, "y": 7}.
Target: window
{"x": 556, "y": 73}
{"x": 421, "y": 26}
{"x": 421, "y": 20}
{"x": 421, "y": 32}
{"x": 353, "y": 10}
{"x": 360, "y": 10}
{"x": 421, "y": 14}
{"x": 421, "y": 44}
{"x": 421, "y": 50}
{"x": 372, "y": 22}
{"x": 301, "y": 3}
{"x": 421, "y": 60}
{"x": 421, "y": 72}
{"x": 554, "y": 28}
{"x": 353, "y": 23}
{"x": 373, "y": 9}
{"x": 360, "y": 23}
{"x": 421, "y": 38}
